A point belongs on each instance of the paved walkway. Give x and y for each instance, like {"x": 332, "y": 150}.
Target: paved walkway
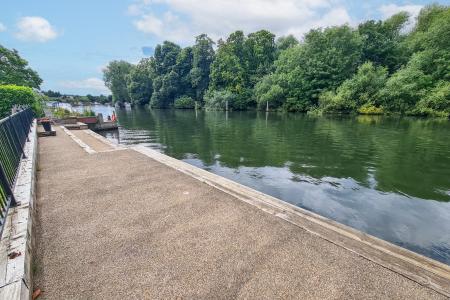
{"x": 120, "y": 225}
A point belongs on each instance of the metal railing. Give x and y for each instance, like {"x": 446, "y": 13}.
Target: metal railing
{"x": 14, "y": 132}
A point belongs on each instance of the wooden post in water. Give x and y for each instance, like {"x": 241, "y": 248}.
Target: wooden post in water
{"x": 267, "y": 106}
{"x": 226, "y": 105}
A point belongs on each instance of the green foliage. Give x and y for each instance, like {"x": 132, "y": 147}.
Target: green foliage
{"x": 88, "y": 113}
{"x": 363, "y": 89}
{"x": 115, "y": 75}
{"x": 436, "y": 103}
{"x": 267, "y": 91}
{"x": 15, "y": 70}
{"x": 404, "y": 89}
{"x": 370, "y": 109}
{"x": 11, "y": 95}
{"x": 378, "y": 67}
{"x": 62, "y": 113}
{"x": 325, "y": 59}
{"x": 285, "y": 42}
{"x": 216, "y": 100}
{"x": 382, "y": 41}
{"x": 140, "y": 82}
{"x": 203, "y": 56}
{"x": 184, "y": 102}
{"x": 171, "y": 68}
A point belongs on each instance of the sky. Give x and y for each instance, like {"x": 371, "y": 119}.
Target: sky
{"x": 69, "y": 42}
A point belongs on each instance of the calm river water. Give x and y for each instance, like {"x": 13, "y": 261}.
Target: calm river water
{"x": 389, "y": 177}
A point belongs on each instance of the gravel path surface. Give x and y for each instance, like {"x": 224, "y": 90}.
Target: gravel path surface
{"x": 119, "y": 225}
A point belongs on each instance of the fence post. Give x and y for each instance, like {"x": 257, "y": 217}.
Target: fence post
{"x": 5, "y": 184}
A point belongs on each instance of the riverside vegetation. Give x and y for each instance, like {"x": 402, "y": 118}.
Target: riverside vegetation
{"x": 378, "y": 67}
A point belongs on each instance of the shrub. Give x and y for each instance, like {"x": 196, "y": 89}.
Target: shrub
{"x": 11, "y": 95}
{"x": 370, "y": 109}
{"x": 404, "y": 89}
{"x": 61, "y": 113}
{"x": 436, "y": 103}
{"x": 184, "y": 102}
{"x": 216, "y": 100}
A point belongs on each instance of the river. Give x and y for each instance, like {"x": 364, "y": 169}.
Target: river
{"x": 386, "y": 176}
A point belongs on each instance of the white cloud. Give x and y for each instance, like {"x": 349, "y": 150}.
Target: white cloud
{"x": 184, "y": 19}
{"x": 92, "y": 84}
{"x": 392, "y": 9}
{"x": 35, "y": 29}
{"x": 2, "y": 27}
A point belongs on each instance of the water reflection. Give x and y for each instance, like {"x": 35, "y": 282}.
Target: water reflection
{"x": 389, "y": 177}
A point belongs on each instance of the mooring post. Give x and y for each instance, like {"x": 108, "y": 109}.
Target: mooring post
{"x": 267, "y": 106}
{"x": 226, "y": 105}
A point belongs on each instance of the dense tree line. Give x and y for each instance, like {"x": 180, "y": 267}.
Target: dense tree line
{"x": 377, "y": 67}
{"x": 77, "y": 99}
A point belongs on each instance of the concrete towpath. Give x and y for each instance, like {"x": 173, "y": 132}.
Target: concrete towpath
{"x": 121, "y": 225}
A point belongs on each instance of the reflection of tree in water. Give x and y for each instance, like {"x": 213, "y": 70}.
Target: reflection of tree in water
{"x": 390, "y": 154}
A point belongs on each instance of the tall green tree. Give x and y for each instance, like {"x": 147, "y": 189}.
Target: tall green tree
{"x": 322, "y": 62}
{"x": 166, "y": 82}
{"x": 362, "y": 89}
{"x": 15, "y": 70}
{"x": 285, "y": 42}
{"x": 183, "y": 68}
{"x": 382, "y": 41}
{"x": 140, "y": 82}
{"x": 261, "y": 52}
{"x": 115, "y": 75}
{"x": 203, "y": 56}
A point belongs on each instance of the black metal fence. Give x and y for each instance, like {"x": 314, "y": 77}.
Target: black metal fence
{"x": 14, "y": 132}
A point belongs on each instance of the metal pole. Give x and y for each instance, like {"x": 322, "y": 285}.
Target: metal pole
{"x": 4, "y": 182}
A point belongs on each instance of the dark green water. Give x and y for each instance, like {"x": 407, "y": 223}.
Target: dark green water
{"x": 389, "y": 177}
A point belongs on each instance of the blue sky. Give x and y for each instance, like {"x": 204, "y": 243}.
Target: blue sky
{"x": 69, "y": 42}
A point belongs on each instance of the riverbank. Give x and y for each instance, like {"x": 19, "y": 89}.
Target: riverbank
{"x": 119, "y": 224}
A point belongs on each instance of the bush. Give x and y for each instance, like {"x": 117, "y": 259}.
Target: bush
{"x": 61, "y": 113}
{"x": 184, "y": 102}
{"x": 436, "y": 103}
{"x": 11, "y": 95}
{"x": 404, "y": 89}
{"x": 216, "y": 100}
{"x": 370, "y": 109}
{"x": 360, "y": 92}
{"x": 88, "y": 113}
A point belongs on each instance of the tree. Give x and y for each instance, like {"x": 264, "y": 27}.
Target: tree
{"x": 363, "y": 89}
{"x": 405, "y": 88}
{"x": 285, "y": 42}
{"x": 166, "y": 57}
{"x": 115, "y": 75}
{"x": 382, "y": 41}
{"x": 325, "y": 59}
{"x": 11, "y": 95}
{"x": 183, "y": 68}
{"x": 140, "y": 82}
{"x": 260, "y": 55}
{"x": 166, "y": 81}
{"x": 15, "y": 70}
{"x": 203, "y": 56}
{"x": 269, "y": 93}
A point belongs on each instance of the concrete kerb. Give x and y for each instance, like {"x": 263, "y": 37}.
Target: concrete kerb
{"x": 16, "y": 273}
{"x": 78, "y": 141}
